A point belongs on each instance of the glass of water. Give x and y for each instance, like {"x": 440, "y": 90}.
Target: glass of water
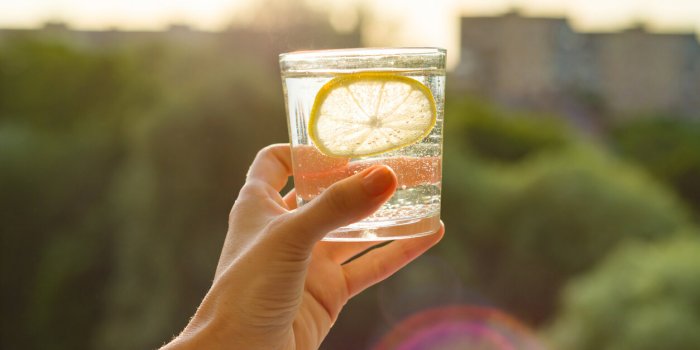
{"x": 350, "y": 109}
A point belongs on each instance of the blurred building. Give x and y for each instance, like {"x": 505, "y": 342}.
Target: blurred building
{"x": 543, "y": 63}
{"x": 642, "y": 71}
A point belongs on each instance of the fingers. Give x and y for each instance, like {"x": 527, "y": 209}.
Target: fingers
{"x": 340, "y": 252}
{"x": 290, "y": 199}
{"x": 345, "y": 202}
{"x": 272, "y": 166}
{"x": 381, "y": 263}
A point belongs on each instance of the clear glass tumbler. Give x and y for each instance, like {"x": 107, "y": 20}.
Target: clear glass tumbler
{"x": 390, "y": 91}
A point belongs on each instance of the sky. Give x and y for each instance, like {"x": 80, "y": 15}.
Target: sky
{"x": 394, "y": 22}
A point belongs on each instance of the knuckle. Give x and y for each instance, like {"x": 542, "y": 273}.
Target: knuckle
{"x": 270, "y": 151}
{"x": 281, "y": 241}
{"x": 253, "y": 188}
{"x": 277, "y": 224}
{"x": 336, "y": 200}
{"x": 262, "y": 154}
{"x": 265, "y": 151}
{"x": 380, "y": 269}
{"x": 235, "y": 209}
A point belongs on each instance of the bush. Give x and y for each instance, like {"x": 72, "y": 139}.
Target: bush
{"x": 523, "y": 230}
{"x": 493, "y": 134}
{"x": 58, "y": 161}
{"x": 669, "y": 148}
{"x": 644, "y": 297}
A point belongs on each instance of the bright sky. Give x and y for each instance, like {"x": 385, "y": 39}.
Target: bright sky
{"x": 395, "y": 22}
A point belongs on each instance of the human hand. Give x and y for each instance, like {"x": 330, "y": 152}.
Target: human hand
{"x": 276, "y": 286}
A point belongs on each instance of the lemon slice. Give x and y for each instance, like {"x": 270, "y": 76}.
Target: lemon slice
{"x": 364, "y": 114}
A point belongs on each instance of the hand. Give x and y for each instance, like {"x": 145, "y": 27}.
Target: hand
{"x": 277, "y": 286}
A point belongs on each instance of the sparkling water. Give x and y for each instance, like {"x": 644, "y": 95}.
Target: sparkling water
{"x": 414, "y": 210}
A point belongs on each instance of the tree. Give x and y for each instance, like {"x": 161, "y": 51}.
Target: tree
{"x": 643, "y": 297}
{"x": 524, "y": 228}
{"x": 669, "y": 148}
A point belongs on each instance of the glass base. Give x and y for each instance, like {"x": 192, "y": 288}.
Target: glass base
{"x": 386, "y": 231}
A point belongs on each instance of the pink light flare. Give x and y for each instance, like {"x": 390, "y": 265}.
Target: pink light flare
{"x": 460, "y": 327}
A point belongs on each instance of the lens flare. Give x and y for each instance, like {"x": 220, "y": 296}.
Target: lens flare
{"x": 460, "y": 327}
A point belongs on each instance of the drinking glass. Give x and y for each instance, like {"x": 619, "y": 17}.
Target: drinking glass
{"x": 414, "y": 209}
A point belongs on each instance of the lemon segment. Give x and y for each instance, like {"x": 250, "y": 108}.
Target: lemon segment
{"x": 364, "y": 114}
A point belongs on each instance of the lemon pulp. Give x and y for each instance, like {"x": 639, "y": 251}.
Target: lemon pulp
{"x": 364, "y": 114}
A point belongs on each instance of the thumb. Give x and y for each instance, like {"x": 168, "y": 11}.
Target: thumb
{"x": 343, "y": 203}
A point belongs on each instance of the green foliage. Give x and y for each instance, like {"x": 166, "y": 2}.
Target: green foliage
{"x": 60, "y": 145}
{"x": 184, "y": 168}
{"x": 120, "y": 183}
{"x": 568, "y": 212}
{"x": 646, "y": 296}
{"x": 539, "y": 222}
{"x": 119, "y": 165}
{"x": 56, "y": 233}
{"x": 669, "y": 148}
{"x": 41, "y": 81}
{"x": 493, "y": 134}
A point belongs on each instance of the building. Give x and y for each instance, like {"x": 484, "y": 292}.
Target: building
{"x": 640, "y": 71}
{"x": 543, "y": 63}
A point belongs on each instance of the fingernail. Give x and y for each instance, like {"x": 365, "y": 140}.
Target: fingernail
{"x": 377, "y": 181}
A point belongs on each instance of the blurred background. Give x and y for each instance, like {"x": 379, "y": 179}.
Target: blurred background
{"x": 571, "y": 172}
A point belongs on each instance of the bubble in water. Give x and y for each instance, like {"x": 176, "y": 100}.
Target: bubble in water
{"x": 459, "y": 327}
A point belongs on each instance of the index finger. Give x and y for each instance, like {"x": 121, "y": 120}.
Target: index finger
{"x": 383, "y": 262}
{"x": 272, "y": 165}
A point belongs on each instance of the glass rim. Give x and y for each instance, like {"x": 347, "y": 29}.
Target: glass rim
{"x": 361, "y": 52}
